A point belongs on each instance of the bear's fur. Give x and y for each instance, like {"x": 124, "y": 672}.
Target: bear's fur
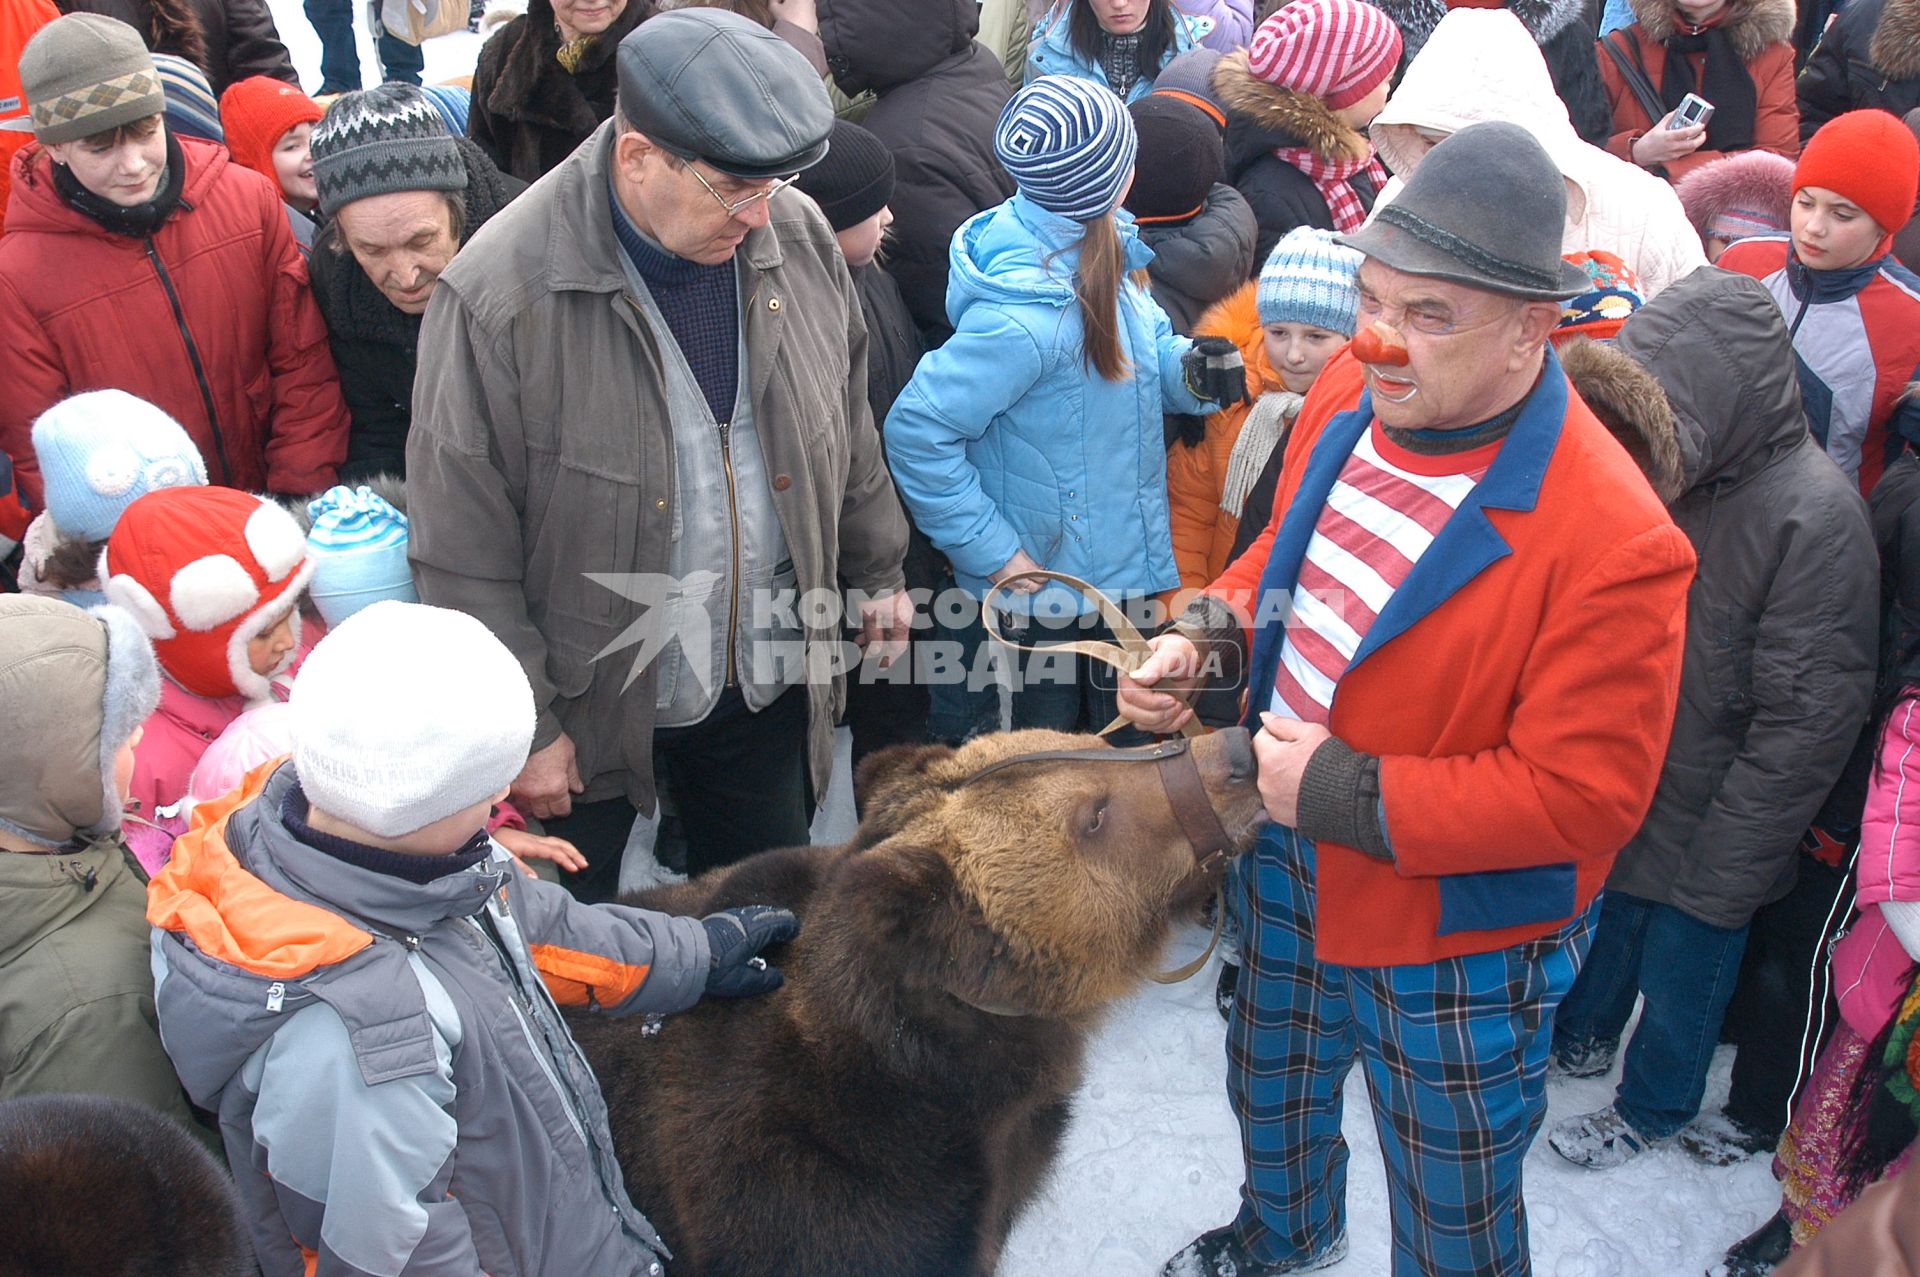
{"x": 891, "y": 1110}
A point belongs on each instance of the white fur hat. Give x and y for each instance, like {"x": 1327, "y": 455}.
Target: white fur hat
{"x": 405, "y": 714}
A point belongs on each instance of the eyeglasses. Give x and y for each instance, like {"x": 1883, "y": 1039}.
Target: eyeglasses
{"x": 766, "y": 192}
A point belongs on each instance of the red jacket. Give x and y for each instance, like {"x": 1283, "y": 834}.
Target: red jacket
{"x": 1519, "y": 687}
{"x": 220, "y": 285}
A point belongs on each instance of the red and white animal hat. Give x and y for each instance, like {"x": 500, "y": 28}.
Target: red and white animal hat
{"x": 206, "y": 570}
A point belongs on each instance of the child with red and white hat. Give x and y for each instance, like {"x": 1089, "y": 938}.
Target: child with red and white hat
{"x": 214, "y": 577}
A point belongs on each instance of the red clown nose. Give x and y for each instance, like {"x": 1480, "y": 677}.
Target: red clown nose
{"x": 1380, "y": 344}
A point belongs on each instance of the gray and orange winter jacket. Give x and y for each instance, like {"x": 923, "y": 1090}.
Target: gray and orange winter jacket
{"x": 389, "y": 1058}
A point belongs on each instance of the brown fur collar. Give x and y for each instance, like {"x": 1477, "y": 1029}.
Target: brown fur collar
{"x": 1633, "y": 408}
{"x": 530, "y": 84}
{"x": 1895, "y": 48}
{"x": 1752, "y": 25}
{"x": 1306, "y": 119}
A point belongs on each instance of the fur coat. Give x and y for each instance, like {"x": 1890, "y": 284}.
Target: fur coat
{"x": 528, "y": 112}
{"x": 1869, "y": 57}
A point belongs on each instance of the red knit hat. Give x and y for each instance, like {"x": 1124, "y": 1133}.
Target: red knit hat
{"x": 205, "y": 570}
{"x": 1868, "y": 158}
{"x": 255, "y": 112}
{"x": 1335, "y": 50}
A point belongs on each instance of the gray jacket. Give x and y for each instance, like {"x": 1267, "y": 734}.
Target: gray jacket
{"x": 390, "y": 1063}
{"x": 541, "y": 452}
{"x": 1781, "y": 618}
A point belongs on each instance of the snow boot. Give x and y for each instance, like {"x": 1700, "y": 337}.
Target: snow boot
{"x": 1223, "y": 991}
{"x": 1718, "y": 1140}
{"x": 1762, "y": 1250}
{"x": 1599, "y": 1141}
{"x": 1218, "y": 1253}
{"x": 1587, "y": 1060}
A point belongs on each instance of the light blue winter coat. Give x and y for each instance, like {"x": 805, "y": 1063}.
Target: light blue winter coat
{"x": 1051, "y": 51}
{"x": 1005, "y": 439}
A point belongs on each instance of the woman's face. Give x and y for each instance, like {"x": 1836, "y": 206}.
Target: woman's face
{"x": 1830, "y": 232}
{"x": 586, "y": 17}
{"x": 1699, "y": 11}
{"x": 122, "y": 166}
{"x": 1120, "y": 17}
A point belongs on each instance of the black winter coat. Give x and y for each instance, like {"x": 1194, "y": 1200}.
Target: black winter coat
{"x": 375, "y": 343}
{"x": 1199, "y": 261}
{"x": 1263, "y": 116}
{"x": 527, "y": 113}
{"x": 939, "y": 95}
{"x": 229, "y": 39}
{"x": 1779, "y": 661}
{"x": 1869, "y": 57}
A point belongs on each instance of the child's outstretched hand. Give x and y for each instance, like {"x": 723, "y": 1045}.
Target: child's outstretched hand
{"x": 523, "y": 846}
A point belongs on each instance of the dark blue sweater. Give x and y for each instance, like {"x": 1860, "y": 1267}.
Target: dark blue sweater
{"x": 701, "y": 307}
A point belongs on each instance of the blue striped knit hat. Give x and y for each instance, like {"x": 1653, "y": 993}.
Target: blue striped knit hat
{"x": 359, "y": 549}
{"x": 192, "y": 110}
{"x": 1310, "y": 278}
{"x": 1068, "y": 144}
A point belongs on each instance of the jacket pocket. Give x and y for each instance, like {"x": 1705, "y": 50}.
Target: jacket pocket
{"x": 1496, "y": 898}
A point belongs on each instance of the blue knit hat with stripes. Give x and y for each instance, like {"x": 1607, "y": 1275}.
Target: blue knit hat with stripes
{"x": 359, "y": 549}
{"x": 1068, "y": 144}
{"x": 1310, "y": 278}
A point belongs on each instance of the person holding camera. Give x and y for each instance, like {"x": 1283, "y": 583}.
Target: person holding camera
{"x": 1692, "y": 80}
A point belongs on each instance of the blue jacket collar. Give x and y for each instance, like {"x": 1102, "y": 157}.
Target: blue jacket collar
{"x": 1819, "y": 287}
{"x": 1466, "y": 545}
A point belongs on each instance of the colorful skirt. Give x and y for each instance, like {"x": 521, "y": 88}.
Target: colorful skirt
{"x": 1807, "y": 1164}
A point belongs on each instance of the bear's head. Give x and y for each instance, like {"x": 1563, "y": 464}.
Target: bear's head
{"x": 1045, "y": 887}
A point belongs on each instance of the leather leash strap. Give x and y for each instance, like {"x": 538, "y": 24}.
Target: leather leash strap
{"x": 1126, "y": 656}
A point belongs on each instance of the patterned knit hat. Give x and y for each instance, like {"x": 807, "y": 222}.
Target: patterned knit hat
{"x": 1068, "y": 144}
{"x": 454, "y": 102}
{"x": 205, "y": 570}
{"x": 101, "y": 451}
{"x": 1335, "y": 50}
{"x": 381, "y": 140}
{"x": 192, "y": 110}
{"x": 257, "y": 112}
{"x": 1866, "y": 157}
{"x": 1310, "y": 278}
{"x": 83, "y": 74}
{"x": 1599, "y": 312}
{"x": 359, "y": 549}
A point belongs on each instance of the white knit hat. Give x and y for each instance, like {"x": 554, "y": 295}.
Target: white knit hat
{"x": 406, "y": 714}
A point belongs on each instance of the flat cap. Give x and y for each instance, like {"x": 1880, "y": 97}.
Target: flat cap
{"x": 711, "y": 85}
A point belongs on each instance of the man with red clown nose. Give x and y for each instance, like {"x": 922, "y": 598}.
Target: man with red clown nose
{"x": 1466, "y": 625}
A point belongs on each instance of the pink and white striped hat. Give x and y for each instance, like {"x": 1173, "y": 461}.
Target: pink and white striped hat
{"x": 1334, "y": 50}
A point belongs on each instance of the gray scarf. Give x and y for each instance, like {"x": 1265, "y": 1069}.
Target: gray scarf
{"x": 1265, "y": 426}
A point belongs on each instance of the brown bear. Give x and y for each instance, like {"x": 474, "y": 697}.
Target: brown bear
{"x": 894, "y": 1106}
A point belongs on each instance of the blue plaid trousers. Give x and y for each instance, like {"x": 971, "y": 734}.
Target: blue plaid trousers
{"x": 1455, "y": 1053}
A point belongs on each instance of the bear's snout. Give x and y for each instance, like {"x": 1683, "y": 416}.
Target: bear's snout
{"x": 1231, "y": 774}
{"x": 1238, "y": 744}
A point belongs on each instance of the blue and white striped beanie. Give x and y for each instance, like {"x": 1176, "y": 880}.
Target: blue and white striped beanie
{"x": 1068, "y": 144}
{"x": 192, "y": 110}
{"x": 359, "y": 549}
{"x": 1310, "y": 278}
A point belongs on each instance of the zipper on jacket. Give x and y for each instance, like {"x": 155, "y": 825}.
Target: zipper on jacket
{"x": 733, "y": 537}
{"x": 193, "y": 358}
{"x": 522, "y": 1009}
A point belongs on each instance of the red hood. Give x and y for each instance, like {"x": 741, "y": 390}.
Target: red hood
{"x": 36, "y": 206}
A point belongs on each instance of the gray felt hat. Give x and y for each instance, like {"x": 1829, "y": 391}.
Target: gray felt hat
{"x": 86, "y": 73}
{"x": 711, "y": 85}
{"x": 1487, "y": 208}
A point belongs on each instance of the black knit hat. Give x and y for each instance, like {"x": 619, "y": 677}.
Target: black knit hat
{"x": 381, "y": 140}
{"x": 855, "y": 180}
{"x": 1180, "y": 159}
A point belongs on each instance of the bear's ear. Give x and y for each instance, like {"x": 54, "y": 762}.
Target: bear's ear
{"x": 895, "y": 776}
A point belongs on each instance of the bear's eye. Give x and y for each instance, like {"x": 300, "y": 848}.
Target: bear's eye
{"x": 1095, "y": 818}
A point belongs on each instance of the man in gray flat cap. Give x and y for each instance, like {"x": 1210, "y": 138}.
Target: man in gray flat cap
{"x": 642, "y": 454}
{"x": 1467, "y": 622}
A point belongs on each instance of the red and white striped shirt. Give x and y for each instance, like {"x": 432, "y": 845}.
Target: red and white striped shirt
{"x": 1380, "y": 516}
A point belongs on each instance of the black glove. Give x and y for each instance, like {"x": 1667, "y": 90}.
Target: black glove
{"x": 735, "y": 936}
{"x": 1215, "y": 372}
{"x": 1184, "y": 430}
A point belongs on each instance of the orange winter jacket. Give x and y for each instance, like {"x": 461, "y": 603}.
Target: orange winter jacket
{"x": 1202, "y": 532}
{"x": 1519, "y": 687}
{"x": 1760, "y": 31}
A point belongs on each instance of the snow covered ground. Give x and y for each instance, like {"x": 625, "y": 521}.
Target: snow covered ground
{"x": 1153, "y": 1159}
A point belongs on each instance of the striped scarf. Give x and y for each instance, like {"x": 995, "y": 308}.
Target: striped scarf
{"x": 1329, "y": 177}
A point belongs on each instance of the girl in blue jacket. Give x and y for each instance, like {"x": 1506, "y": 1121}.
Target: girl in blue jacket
{"x": 1034, "y": 436}
{"x": 1123, "y": 44}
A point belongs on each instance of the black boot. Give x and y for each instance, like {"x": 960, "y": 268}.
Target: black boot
{"x": 1223, "y": 991}
{"x": 1762, "y": 1250}
{"x": 1218, "y": 1253}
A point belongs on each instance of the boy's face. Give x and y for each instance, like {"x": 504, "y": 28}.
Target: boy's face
{"x": 859, "y": 242}
{"x": 1299, "y": 351}
{"x": 268, "y": 650}
{"x": 122, "y": 166}
{"x": 293, "y": 165}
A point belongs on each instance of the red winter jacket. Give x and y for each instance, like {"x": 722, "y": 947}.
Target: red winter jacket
{"x": 211, "y": 318}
